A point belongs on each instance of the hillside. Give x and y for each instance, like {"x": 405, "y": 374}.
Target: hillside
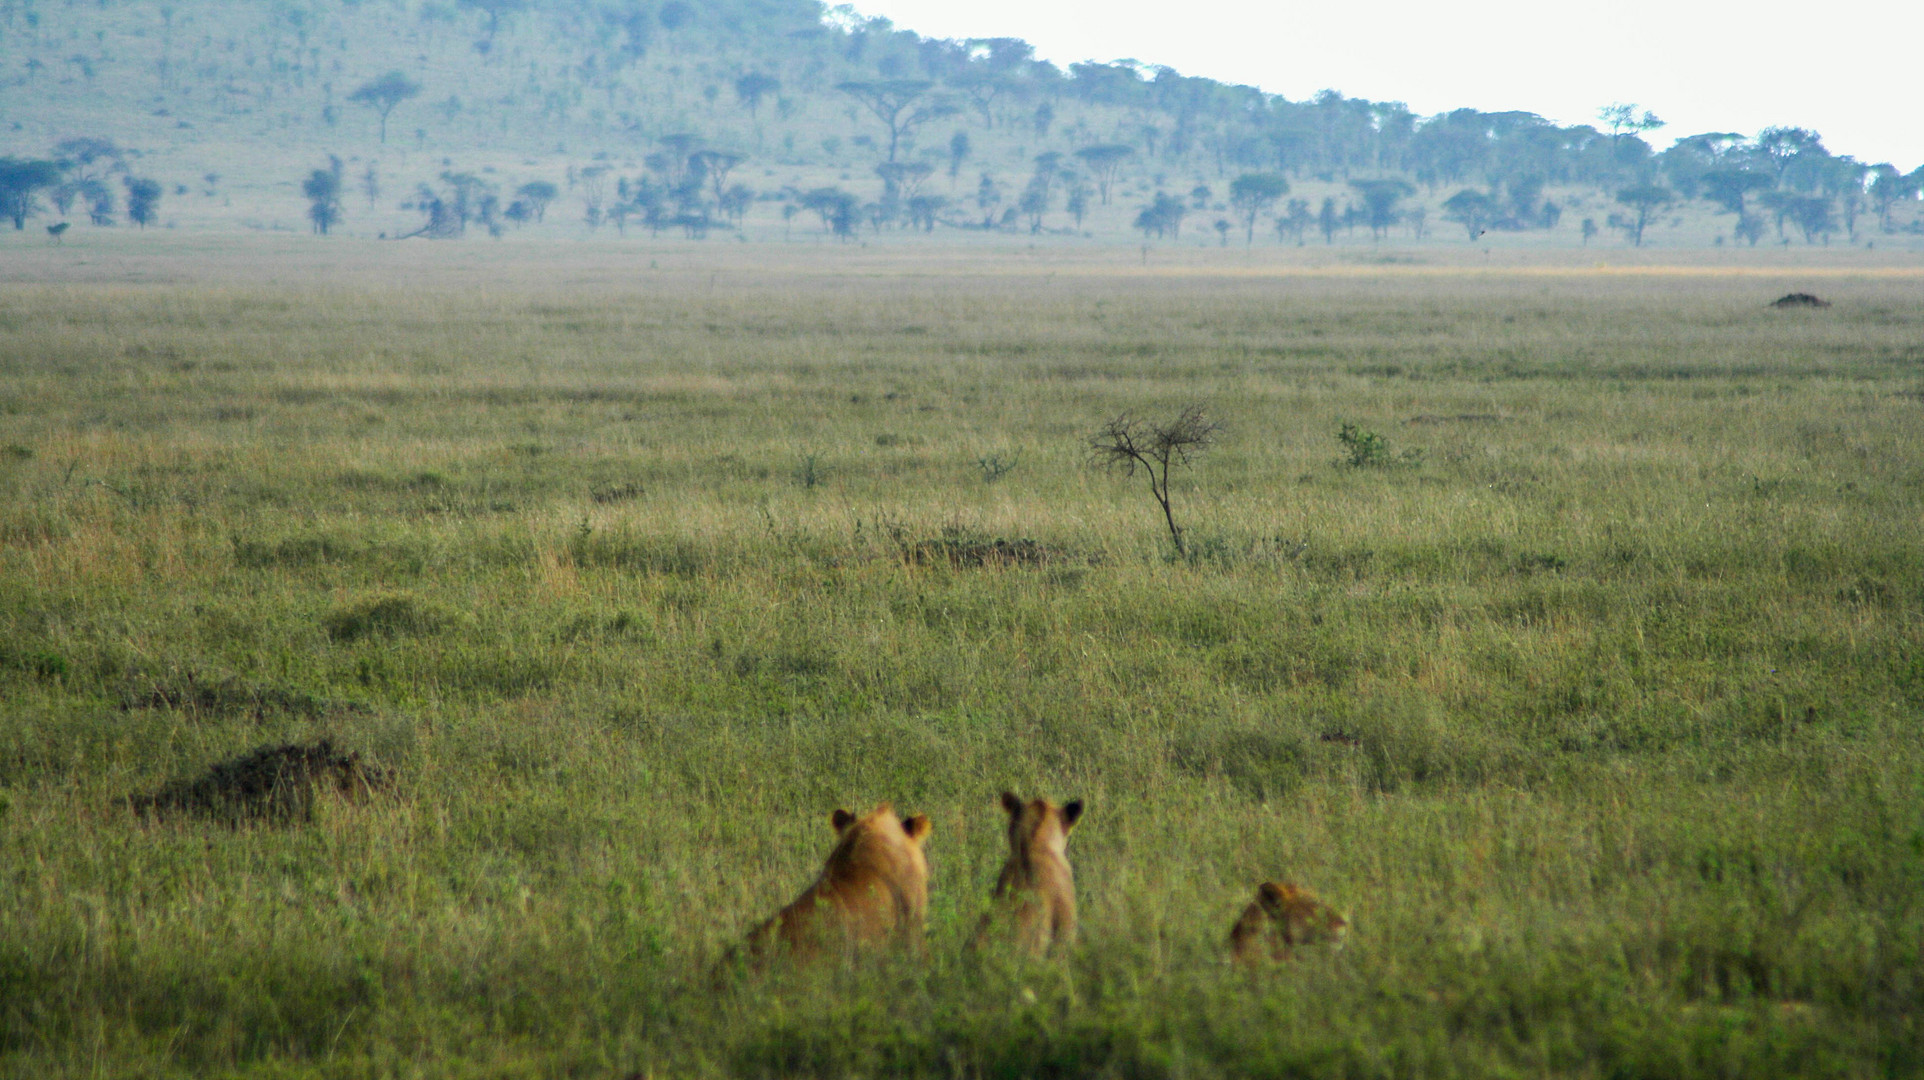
{"x": 769, "y": 119}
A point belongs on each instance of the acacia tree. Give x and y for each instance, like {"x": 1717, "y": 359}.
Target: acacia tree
{"x": 1644, "y": 200}
{"x": 87, "y": 157}
{"x": 1252, "y": 194}
{"x": 494, "y": 9}
{"x": 714, "y": 166}
{"x": 1130, "y": 444}
{"x": 20, "y": 182}
{"x": 898, "y": 104}
{"x": 1783, "y": 146}
{"x": 901, "y": 180}
{"x": 323, "y": 191}
{"x": 1328, "y": 221}
{"x": 751, "y": 88}
{"x": 1730, "y": 188}
{"x": 1103, "y": 160}
{"x": 538, "y": 194}
{"x": 1623, "y": 120}
{"x": 1162, "y": 217}
{"x": 958, "y": 153}
{"x": 982, "y": 88}
{"x": 1888, "y": 187}
{"x": 384, "y": 93}
{"x": 1034, "y": 202}
{"x": 143, "y": 200}
{"x": 1813, "y": 217}
{"x": 1471, "y": 209}
{"x": 1379, "y": 202}
{"x": 1294, "y": 221}
{"x": 835, "y": 207}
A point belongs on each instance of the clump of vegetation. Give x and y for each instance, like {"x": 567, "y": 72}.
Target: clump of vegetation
{"x": 626, "y": 491}
{"x": 39, "y": 663}
{"x": 994, "y": 466}
{"x": 811, "y": 473}
{"x": 969, "y": 551}
{"x": 273, "y": 783}
{"x": 192, "y": 692}
{"x": 1365, "y": 449}
{"x": 385, "y": 616}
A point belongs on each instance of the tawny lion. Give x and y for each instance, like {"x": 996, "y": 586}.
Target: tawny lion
{"x": 1283, "y": 917}
{"x": 874, "y": 890}
{"x": 1036, "y": 892}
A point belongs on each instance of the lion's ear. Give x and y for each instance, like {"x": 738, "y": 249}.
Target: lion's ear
{"x": 1011, "y": 803}
{"x": 1269, "y": 894}
{"x": 917, "y": 827}
{"x": 1071, "y": 814}
{"x": 841, "y": 819}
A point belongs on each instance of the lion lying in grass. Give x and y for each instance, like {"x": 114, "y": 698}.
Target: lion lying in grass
{"x": 1282, "y": 917}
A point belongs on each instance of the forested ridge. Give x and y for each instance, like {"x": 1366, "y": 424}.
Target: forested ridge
{"x": 445, "y": 116}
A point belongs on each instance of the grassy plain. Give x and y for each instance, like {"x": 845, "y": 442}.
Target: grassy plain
{"x": 1600, "y": 719}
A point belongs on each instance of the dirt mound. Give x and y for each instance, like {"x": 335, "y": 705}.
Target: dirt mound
{"x": 1797, "y": 300}
{"x": 973, "y": 553}
{"x": 273, "y": 783}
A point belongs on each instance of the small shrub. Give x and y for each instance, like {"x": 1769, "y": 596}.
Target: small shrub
{"x": 811, "y": 473}
{"x": 39, "y": 663}
{"x": 606, "y": 494}
{"x": 18, "y": 452}
{"x": 1541, "y": 562}
{"x": 1365, "y": 449}
{"x": 995, "y": 468}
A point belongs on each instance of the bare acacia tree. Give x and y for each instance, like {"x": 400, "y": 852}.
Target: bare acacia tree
{"x": 1130, "y": 444}
{"x": 896, "y": 103}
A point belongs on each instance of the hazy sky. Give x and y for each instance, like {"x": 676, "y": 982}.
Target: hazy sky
{"x": 1851, "y": 71}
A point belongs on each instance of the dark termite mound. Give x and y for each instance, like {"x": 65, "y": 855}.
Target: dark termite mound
{"x": 272, "y": 783}
{"x": 1798, "y": 300}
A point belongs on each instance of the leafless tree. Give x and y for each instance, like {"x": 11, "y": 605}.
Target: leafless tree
{"x": 1132, "y": 444}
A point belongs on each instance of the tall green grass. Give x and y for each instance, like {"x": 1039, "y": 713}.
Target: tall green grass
{"x": 1600, "y": 718}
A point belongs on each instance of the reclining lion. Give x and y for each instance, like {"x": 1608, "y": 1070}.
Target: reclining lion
{"x": 1282, "y": 917}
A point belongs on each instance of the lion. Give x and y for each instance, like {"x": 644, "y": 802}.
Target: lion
{"x": 874, "y": 890}
{"x": 1035, "y": 894}
{"x": 1282, "y": 917}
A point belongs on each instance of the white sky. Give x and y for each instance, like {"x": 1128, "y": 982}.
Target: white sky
{"x": 1854, "y": 72}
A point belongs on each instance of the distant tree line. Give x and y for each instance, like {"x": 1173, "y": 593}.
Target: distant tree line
{"x": 91, "y": 175}
{"x": 1089, "y": 132}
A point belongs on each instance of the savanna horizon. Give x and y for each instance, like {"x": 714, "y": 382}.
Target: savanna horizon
{"x": 1593, "y": 704}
